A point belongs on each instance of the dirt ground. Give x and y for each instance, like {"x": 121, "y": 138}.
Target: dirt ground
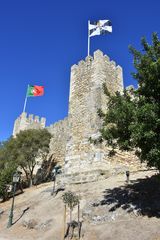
{"x": 110, "y": 210}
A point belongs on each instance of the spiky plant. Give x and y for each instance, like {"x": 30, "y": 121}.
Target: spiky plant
{"x": 71, "y": 200}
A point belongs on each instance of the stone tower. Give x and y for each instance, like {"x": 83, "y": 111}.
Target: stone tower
{"x": 31, "y": 122}
{"x": 70, "y": 145}
{"x": 86, "y": 97}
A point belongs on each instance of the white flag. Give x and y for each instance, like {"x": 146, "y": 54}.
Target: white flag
{"x": 100, "y": 27}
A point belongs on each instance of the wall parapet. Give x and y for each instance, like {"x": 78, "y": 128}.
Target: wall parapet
{"x": 25, "y": 122}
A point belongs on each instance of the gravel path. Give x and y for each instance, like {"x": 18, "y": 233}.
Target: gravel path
{"x": 110, "y": 210}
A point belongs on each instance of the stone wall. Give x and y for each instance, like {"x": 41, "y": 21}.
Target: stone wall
{"x": 24, "y": 122}
{"x": 60, "y": 134}
{"x": 86, "y": 97}
{"x": 70, "y": 146}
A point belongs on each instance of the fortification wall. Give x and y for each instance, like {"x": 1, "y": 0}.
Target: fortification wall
{"x": 70, "y": 144}
{"x": 24, "y": 122}
{"x": 60, "y": 134}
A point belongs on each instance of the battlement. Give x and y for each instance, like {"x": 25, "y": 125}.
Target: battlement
{"x": 97, "y": 56}
{"x": 31, "y": 118}
{"x": 92, "y": 73}
{"x": 59, "y": 126}
{"x": 70, "y": 144}
{"x": 24, "y": 122}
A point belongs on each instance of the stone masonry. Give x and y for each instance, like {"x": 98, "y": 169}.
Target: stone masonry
{"x": 60, "y": 133}
{"x": 86, "y": 97}
{"x": 24, "y": 122}
{"x": 70, "y": 145}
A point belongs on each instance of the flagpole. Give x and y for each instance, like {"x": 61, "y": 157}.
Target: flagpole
{"x": 25, "y": 101}
{"x": 88, "y": 38}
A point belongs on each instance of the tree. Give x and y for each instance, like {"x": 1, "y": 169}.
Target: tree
{"x": 116, "y": 122}
{"x": 71, "y": 200}
{"x": 27, "y": 149}
{"x": 6, "y": 173}
{"x": 132, "y": 121}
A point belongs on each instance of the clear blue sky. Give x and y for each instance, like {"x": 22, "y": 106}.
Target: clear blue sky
{"x": 41, "y": 39}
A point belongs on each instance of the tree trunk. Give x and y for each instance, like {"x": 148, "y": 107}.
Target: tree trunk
{"x": 31, "y": 176}
{"x": 70, "y": 215}
{"x": 78, "y": 213}
{"x": 26, "y": 173}
{"x": 31, "y": 182}
{"x": 64, "y": 223}
{"x": 79, "y": 221}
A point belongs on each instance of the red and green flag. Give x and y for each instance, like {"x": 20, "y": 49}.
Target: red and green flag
{"x": 35, "y": 91}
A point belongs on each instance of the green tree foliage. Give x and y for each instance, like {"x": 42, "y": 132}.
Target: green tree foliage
{"x": 27, "y": 149}
{"x": 6, "y": 173}
{"x": 71, "y": 200}
{"x": 116, "y": 122}
{"x": 133, "y": 119}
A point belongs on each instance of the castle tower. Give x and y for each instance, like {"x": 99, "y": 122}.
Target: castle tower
{"x": 31, "y": 122}
{"x": 70, "y": 145}
{"x": 86, "y": 97}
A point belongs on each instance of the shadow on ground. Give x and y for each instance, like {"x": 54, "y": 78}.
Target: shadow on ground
{"x": 25, "y": 210}
{"x": 141, "y": 195}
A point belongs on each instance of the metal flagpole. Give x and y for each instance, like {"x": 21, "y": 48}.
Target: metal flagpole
{"x": 25, "y": 102}
{"x": 88, "y": 38}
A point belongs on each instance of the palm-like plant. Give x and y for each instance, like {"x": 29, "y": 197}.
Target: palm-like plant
{"x": 71, "y": 200}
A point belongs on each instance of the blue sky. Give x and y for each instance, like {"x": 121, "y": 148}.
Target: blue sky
{"x": 41, "y": 39}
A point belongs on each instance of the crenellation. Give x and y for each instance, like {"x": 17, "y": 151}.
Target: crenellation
{"x": 89, "y": 59}
{"x": 43, "y": 122}
{"x": 106, "y": 58}
{"x": 36, "y": 119}
{"x": 31, "y": 122}
{"x": 81, "y": 63}
{"x": 98, "y": 54}
{"x": 119, "y": 68}
{"x": 113, "y": 63}
{"x": 23, "y": 115}
{"x": 74, "y": 67}
{"x": 70, "y": 145}
{"x": 30, "y": 118}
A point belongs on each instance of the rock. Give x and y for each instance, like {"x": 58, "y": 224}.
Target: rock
{"x": 30, "y": 224}
{"x": 45, "y": 225}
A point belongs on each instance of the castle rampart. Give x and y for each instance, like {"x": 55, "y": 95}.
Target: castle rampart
{"x": 70, "y": 144}
{"x": 60, "y": 134}
{"x": 24, "y": 122}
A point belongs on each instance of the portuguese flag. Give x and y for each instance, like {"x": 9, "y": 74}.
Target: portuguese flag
{"x": 35, "y": 91}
